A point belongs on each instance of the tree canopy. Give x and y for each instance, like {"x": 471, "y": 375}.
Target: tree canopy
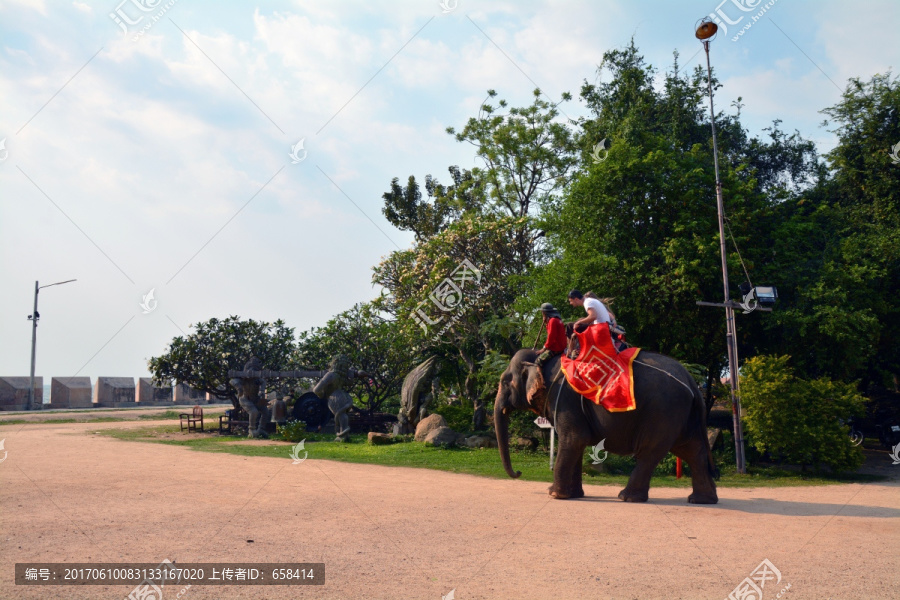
{"x": 373, "y": 344}
{"x": 202, "y": 359}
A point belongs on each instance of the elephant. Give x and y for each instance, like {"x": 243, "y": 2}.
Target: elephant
{"x": 669, "y": 416}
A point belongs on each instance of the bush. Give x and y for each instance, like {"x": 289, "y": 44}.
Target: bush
{"x": 796, "y": 420}
{"x": 293, "y": 431}
{"x": 723, "y": 455}
{"x": 612, "y": 465}
{"x": 624, "y": 465}
{"x": 667, "y": 466}
{"x": 459, "y": 418}
{"x": 521, "y": 424}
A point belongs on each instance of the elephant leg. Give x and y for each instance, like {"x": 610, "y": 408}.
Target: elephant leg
{"x": 694, "y": 452}
{"x": 577, "y": 474}
{"x": 567, "y": 472}
{"x": 638, "y": 487}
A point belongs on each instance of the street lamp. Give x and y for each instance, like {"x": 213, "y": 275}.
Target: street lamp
{"x": 762, "y": 297}
{"x": 34, "y": 317}
{"x": 705, "y": 32}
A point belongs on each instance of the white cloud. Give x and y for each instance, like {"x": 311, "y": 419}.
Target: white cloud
{"x": 122, "y": 49}
{"x": 36, "y": 5}
{"x": 855, "y": 46}
{"x": 204, "y": 56}
{"x": 19, "y": 55}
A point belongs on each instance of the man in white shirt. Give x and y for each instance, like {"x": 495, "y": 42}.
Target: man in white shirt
{"x": 596, "y": 311}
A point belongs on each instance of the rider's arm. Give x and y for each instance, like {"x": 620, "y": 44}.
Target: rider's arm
{"x": 590, "y": 318}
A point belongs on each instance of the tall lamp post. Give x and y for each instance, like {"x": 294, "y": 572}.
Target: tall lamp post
{"x": 705, "y": 32}
{"x": 34, "y": 317}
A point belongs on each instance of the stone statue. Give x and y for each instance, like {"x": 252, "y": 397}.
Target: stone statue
{"x": 331, "y": 388}
{"x": 419, "y": 388}
{"x": 252, "y": 398}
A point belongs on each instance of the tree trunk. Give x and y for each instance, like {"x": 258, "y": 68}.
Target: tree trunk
{"x": 477, "y": 404}
{"x": 471, "y": 391}
{"x": 710, "y": 379}
{"x": 468, "y": 391}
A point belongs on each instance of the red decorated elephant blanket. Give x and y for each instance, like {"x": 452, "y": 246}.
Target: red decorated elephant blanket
{"x": 600, "y": 373}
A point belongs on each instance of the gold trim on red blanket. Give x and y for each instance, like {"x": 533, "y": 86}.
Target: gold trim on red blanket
{"x": 600, "y": 373}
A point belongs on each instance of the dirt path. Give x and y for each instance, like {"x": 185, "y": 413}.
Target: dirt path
{"x": 210, "y": 411}
{"x": 68, "y": 495}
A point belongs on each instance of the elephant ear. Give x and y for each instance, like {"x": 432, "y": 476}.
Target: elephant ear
{"x": 536, "y": 390}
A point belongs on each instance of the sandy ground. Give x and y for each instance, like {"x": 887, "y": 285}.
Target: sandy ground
{"x": 68, "y": 495}
{"x": 211, "y": 411}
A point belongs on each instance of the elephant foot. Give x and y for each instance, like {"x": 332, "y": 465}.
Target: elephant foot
{"x": 629, "y": 496}
{"x": 697, "y": 498}
{"x": 561, "y": 495}
{"x": 579, "y": 493}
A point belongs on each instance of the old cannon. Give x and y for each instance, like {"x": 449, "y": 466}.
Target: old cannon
{"x": 312, "y": 410}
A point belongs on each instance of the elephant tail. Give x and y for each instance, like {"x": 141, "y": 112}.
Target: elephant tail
{"x": 700, "y": 406}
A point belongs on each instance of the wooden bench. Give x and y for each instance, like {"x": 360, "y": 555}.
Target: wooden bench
{"x": 231, "y": 418}
{"x": 194, "y": 417}
{"x": 361, "y": 422}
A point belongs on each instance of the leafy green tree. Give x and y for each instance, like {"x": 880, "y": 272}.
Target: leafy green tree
{"x": 796, "y": 420}
{"x": 528, "y": 157}
{"x": 527, "y": 153}
{"x": 867, "y": 124}
{"x": 475, "y": 320}
{"x": 202, "y": 359}
{"x": 373, "y": 344}
{"x": 855, "y": 296}
{"x": 407, "y": 210}
{"x": 638, "y": 221}
{"x": 484, "y": 217}
{"x": 834, "y": 249}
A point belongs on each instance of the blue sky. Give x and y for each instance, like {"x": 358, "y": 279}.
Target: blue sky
{"x": 160, "y": 160}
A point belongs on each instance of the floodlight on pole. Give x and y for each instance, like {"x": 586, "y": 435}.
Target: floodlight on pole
{"x": 34, "y": 317}
{"x": 706, "y": 31}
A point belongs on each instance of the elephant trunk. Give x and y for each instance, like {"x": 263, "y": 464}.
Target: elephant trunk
{"x": 501, "y": 426}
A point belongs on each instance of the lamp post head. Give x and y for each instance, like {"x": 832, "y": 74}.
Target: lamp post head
{"x": 706, "y": 30}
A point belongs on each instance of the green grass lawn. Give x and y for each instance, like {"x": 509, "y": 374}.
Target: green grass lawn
{"x": 483, "y": 462}
{"x": 169, "y": 414}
